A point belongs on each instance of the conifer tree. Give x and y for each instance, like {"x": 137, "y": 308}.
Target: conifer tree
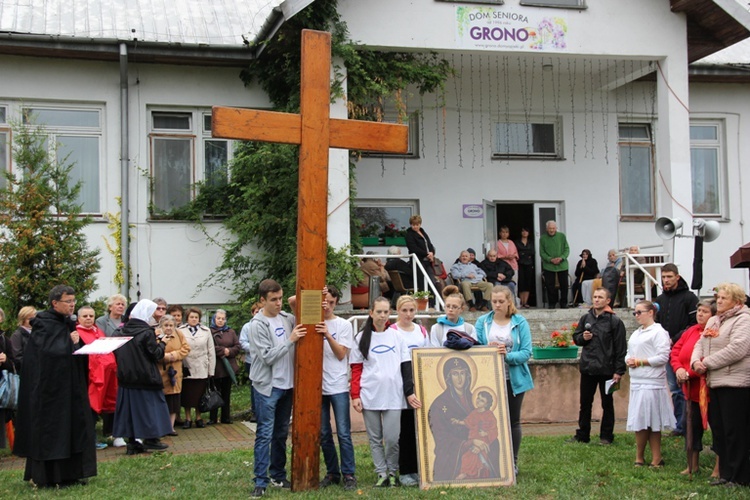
{"x": 41, "y": 227}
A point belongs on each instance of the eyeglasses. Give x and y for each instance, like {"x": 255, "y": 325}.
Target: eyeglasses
{"x": 638, "y": 313}
{"x": 69, "y": 301}
{"x": 161, "y": 308}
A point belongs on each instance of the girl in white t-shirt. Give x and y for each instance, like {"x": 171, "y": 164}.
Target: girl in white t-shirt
{"x": 455, "y": 304}
{"x": 381, "y": 377}
{"x": 415, "y": 336}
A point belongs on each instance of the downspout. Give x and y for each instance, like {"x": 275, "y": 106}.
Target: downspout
{"x": 124, "y": 163}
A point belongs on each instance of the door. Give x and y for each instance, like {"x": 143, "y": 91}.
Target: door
{"x": 544, "y": 212}
{"x": 490, "y": 227}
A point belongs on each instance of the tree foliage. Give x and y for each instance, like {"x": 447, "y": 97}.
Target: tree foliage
{"x": 260, "y": 201}
{"x": 43, "y": 244}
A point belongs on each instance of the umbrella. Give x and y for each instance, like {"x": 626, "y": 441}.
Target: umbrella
{"x": 229, "y": 370}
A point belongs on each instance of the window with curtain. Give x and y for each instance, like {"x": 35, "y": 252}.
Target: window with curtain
{"x": 636, "y": 171}
{"x": 515, "y": 139}
{"x": 74, "y": 138}
{"x": 183, "y": 153}
{"x": 706, "y": 167}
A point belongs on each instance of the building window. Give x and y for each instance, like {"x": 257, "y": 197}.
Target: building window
{"x": 636, "y": 171}
{"x": 384, "y": 222}
{"x": 5, "y": 152}
{"x": 413, "y": 124}
{"x": 518, "y": 139}
{"x": 177, "y": 166}
{"x": 566, "y": 4}
{"x": 75, "y": 137}
{"x": 490, "y": 2}
{"x": 706, "y": 167}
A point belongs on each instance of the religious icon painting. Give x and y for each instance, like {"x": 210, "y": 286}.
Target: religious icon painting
{"x": 463, "y": 427}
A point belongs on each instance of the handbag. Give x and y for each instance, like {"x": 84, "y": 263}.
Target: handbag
{"x": 211, "y": 399}
{"x": 9, "y": 390}
{"x": 439, "y": 269}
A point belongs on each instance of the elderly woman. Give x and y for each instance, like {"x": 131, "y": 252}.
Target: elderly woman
{"x": 227, "y": 346}
{"x": 141, "y": 410}
{"x": 112, "y": 320}
{"x": 682, "y": 351}
{"x": 723, "y": 353}
{"x": 170, "y": 367}
{"x": 418, "y": 242}
{"x": 649, "y": 408}
{"x": 201, "y": 362}
{"x": 21, "y": 336}
{"x": 504, "y": 328}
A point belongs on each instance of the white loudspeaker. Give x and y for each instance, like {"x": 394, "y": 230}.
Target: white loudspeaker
{"x": 710, "y": 230}
{"x": 667, "y": 228}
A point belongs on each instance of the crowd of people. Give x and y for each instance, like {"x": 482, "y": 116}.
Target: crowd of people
{"x": 139, "y": 390}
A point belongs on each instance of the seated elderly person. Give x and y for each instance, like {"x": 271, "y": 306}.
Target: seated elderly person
{"x": 404, "y": 268}
{"x": 586, "y": 271}
{"x": 374, "y": 267}
{"x": 470, "y": 275}
{"x": 498, "y": 271}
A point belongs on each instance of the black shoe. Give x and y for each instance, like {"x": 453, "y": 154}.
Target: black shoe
{"x": 212, "y": 422}
{"x": 178, "y": 421}
{"x": 280, "y": 483}
{"x": 329, "y": 480}
{"x": 154, "y": 444}
{"x": 258, "y": 492}
{"x": 200, "y": 424}
{"x": 576, "y": 439}
{"x": 173, "y": 433}
{"x": 226, "y": 420}
{"x": 350, "y": 482}
{"x": 718, "y": 482}
{"x": 605, "y": 442}
{"x": 135, "y": 448}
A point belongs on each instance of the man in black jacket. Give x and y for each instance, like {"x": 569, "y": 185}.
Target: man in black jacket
{"x": 602, "y": 335}
{"x": 677, "y": 306}
{"x": 498, "y": 271}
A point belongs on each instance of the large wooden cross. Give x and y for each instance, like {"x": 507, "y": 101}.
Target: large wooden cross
{"x": 315, "y": 132}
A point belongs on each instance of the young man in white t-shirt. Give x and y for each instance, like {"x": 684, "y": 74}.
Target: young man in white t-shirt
{"x": 272, "y": 338}
{"x": 339, "y": 339}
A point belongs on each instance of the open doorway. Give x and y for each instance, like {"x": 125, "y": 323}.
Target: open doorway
{"x": 517, "y": 216}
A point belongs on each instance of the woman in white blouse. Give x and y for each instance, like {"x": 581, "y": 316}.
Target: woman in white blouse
{"x": 650, "y": 408}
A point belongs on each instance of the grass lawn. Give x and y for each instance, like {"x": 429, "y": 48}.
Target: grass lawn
{"x": 549, "y": 468}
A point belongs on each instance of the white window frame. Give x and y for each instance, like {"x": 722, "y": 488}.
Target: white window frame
{"x": 557, "y": 154}
{"x": 638, "y": 143}
{"x": 413, "y": 150}
{"x": 55, "y": 133}
{"x": 719, "y": 146}
{"x": 199, "y": 136}
{"x": 6, "y": 160}
{"x": 558, "y": 4}
{"x": 411, "y": 204}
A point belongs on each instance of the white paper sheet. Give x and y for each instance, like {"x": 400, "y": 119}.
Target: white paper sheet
{"x": 104, "y": 345}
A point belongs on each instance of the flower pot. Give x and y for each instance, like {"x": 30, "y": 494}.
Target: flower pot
{"x": 369, "y": 240}
{"x": 422, "y": 304}
{"x": 555, "y": 352}
{"x": 395, "y": 240}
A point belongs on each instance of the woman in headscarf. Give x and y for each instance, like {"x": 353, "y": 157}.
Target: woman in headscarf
{"x": 227, "y": 346}
{"x": 141, "y": 410}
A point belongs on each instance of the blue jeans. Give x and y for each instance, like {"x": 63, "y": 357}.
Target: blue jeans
{"x": 678, "y": 399}
{"x": 340, "y": 404}
{"x": 273, "y": 414}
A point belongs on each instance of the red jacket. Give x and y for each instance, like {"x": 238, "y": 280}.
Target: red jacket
{"x": 102, "y": 373}
{"x": 680, "y": 358}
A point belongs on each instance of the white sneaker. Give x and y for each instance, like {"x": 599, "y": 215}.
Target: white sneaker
{"x": 409, "y": 480}
{"x": 119, "y": 443}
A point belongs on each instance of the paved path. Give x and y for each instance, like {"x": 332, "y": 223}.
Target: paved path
{"x": 240, "y": 435}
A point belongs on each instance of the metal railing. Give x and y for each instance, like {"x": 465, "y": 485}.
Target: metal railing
{"x": 428, "y": 285}
{"x": 652, "y": 261}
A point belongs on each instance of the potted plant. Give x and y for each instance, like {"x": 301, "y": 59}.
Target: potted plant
{"x": 394, "y": 235}
{"x": 560, "y": 346}
{"x": 368, "y": 234}
{"x": 423, "y": 299}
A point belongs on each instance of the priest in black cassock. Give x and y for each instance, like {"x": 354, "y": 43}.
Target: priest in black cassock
{"x": 54, "y": 427}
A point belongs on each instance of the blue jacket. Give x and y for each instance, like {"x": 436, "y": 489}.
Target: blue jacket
{"x": 517, "y": 359}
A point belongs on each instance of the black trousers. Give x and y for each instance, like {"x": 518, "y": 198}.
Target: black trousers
{"x": 514, "y": 411}
{"x": 224, "y": 385}
{"x": 553, "y": 294}
{"x": 407, "y": 444}
{"x": 588, "y": 386}
{"x": 729, "y": 416}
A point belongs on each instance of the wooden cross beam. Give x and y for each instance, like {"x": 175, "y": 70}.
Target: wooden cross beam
{"x": 315, "y": 131}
